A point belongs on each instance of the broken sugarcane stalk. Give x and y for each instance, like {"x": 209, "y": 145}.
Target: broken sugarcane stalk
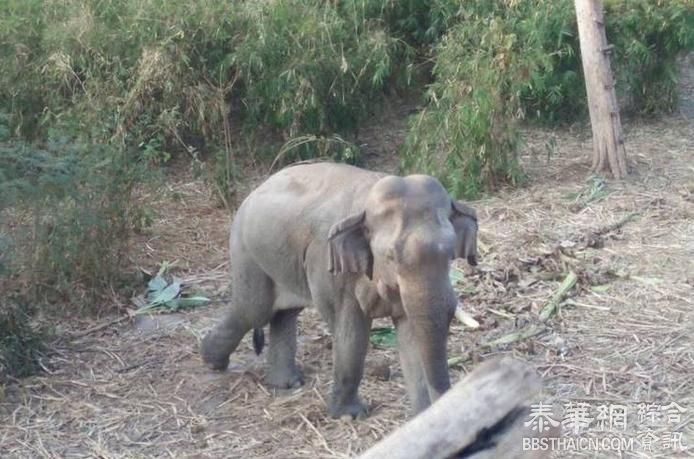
{"x": 514, "y": 337}
{"x": 481, "y": 417}
{"x": 466, "y": 318}
{"x": 553, "y": 304}
{"x": 615, "y": 226}
{"x": 457, "y": 360}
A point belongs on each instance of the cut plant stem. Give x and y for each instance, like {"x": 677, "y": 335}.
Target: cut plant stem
{"x": 553, "y": 304}
{"x": 457, "y": 360}
{"x": 465, "y": 318}
{"x": 505, "y": 315}
{"x": 514, "y": 337}
{"x": 617, "y": 225}
{"x": 588, "y": 306}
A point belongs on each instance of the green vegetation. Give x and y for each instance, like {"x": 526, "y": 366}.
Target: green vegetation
{"x": 69, "y": 213}
{"x": 312, "y": 67}
{"x": 95, "y": 95}
{"x": 20, "y": 341}
{"x": 161, "y": 75}
{"x": 166, "y": 293}
{"x": 209, "y": 78}
{"x": 73, "y": 210}
{"x": 648, "y": 35}
{"x": 466, "y": 136}
{"x": 501, "y": 61}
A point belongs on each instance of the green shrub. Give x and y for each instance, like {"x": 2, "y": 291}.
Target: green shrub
{"x": 648, "y": 36}
{"x": 554, "y": 91}
{"x": 20, "y": 341}
{"x": 72, "y": 210}
{"x": 417, "y": 22}
{"x": 21, "y": 91}
{"x": 134, "y": 69}
{"x": 154, "y": 69}
{"x": 308, "y": 69}
{"x": 466, "y": 136}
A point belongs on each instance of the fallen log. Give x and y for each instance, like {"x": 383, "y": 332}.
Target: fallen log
{"x": 484, "y": 416}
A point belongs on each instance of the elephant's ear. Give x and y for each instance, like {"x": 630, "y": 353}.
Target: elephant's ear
{"x": 464, "y": 219}
{"x": 349, "y": 251}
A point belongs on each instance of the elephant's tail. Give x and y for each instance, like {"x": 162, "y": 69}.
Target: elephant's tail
{"x": 258, "y": 340}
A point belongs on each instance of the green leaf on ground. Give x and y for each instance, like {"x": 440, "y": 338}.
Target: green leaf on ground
{"x": 455, "y": 275}
{"x": 166, "y": 295}
{"x": 156, "y": 284}
{"x": 383, "y": 337}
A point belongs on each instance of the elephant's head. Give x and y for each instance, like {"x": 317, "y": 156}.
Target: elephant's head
{"x": 404, "y": 240}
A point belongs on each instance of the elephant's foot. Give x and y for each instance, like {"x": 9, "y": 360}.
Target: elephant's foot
{"x": 286, "y": 378}
{"x": 355, "y": 409}
{"x": 214, "y": 353}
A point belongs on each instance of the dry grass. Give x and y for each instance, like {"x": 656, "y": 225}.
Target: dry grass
{"x": 138, "y": 388}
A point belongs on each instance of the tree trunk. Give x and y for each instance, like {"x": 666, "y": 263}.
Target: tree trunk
{"x": 608, "y": 144}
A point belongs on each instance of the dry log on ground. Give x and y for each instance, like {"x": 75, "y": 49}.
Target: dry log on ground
{"x": 481, "y": 417}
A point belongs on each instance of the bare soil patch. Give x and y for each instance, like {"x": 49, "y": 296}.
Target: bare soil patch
{"x": 623, "y": 335}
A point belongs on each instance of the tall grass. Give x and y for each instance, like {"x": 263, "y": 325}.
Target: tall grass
{"x": 467, "y": 136}
{"x": 146, "y": 71}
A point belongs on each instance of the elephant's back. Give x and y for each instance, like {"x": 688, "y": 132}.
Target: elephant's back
{"x": 321, "y": 191}
{"x": 295, "y": 208}
{"x": 318, "y": 182}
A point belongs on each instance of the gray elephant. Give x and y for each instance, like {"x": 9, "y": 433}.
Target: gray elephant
{"x": 357, "y": 245}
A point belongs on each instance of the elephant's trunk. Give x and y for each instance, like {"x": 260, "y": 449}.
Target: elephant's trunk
{"x": 422, "y": 336}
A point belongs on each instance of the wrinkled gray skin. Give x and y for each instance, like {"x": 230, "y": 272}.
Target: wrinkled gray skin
{"x": 357, "y": 245}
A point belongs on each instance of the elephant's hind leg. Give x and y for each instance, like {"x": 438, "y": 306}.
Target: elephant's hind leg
{"x": 283, "y": 372}
{"x": 251, "y": 307}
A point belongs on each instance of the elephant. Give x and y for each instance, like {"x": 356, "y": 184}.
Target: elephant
{"x": 356, "y": 245}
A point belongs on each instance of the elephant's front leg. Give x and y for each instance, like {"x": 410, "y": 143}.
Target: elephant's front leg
{"x": 412, "y": 369}
{"x": 351, "y": 339}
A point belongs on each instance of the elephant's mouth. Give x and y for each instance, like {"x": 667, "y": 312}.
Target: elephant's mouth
{"x": 390, "y": 304}
{"x": 387, "y": 292}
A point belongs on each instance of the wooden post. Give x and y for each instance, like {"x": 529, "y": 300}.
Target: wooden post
{"x": 608, "y": 143}
{"x": 484, "y": 416}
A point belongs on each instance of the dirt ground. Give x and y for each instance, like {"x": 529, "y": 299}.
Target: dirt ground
{"x": 623, "y": 336}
